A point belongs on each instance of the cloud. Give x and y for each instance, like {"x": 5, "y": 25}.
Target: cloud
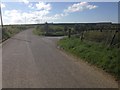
{"x": 9, "y": 16}
{"x": 25, "y": 1}
{"x": 75, "y": 8}
{"x": 31, "y": 6}
{"x": 43, "y": 6}
{"x": 40, "y": 6}
{"x": 58, "y": 16}
{"x": 3, "y": 5}
{"x": 40, "y": 14}
{"x": 41, "y": 10}
{"x": 79, "y": 7}
{"x": 31, "y": 17}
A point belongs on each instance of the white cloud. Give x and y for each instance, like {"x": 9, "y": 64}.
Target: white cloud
{"x": 39, "y": 15}
{"x": 31, "y": 6}
{"x": 25, "y": 1}
{"x": 75, "y": 8}
{"x": 12, "y": 16}
{"x": 58, "y": 16}
{"x": 40, "y": 6}
{"x": 19, "y": 17}
{"x": 2, "y": 5}
{"x": 91, "y": 6}
{"x": 79, "y": 7}
{"x": 43, "y": 6}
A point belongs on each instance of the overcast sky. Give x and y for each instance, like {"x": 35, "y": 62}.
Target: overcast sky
{"x": 40, "y": 12}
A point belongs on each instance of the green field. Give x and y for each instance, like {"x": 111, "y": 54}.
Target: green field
{"x": 95, "y": 53}
{"x": 53, "y": 30}
{"x": 104, "y": 37}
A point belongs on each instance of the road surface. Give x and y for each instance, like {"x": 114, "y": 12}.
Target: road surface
{"x": 31, "y": 61}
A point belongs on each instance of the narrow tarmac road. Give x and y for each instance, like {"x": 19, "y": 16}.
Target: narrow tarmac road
{"x": 30, "y": 61}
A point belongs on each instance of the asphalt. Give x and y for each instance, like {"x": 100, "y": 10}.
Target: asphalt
{"x": 30, "y": 61}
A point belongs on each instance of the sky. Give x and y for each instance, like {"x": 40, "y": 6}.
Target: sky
{"x": 59, "y": 12}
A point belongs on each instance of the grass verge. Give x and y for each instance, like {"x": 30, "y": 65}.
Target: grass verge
{"x": 10, "y": 30}
{"x": 94, "y": 53}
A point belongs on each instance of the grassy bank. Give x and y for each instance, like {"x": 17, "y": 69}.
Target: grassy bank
{"x": 94, "y": 53}
{"x": 11, "y": 30}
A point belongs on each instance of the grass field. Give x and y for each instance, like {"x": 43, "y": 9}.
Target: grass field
{"x": 97, "y": 54}
{"x": 104, "y": 37}
{"x": 53, "y": 30}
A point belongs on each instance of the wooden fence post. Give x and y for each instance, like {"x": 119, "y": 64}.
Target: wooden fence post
{"x": 69, "y": 33}
{"x": 113, "y": 37}
{"x": 82, "y": 36}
